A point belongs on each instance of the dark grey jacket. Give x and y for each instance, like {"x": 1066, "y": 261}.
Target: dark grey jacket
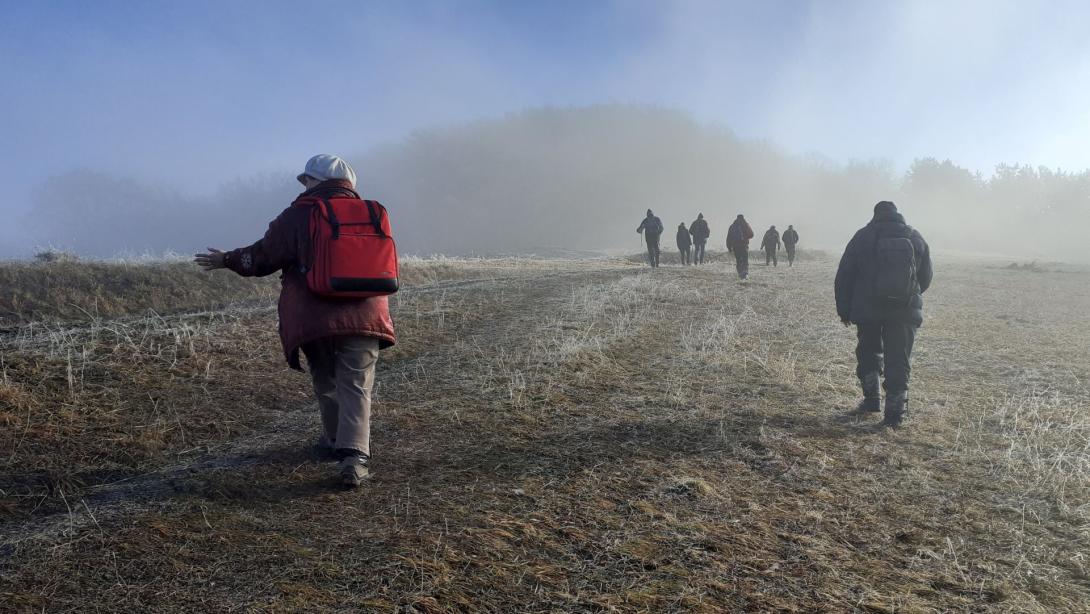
{"x": 700, "y": 231}
{"x": 855, "y": 277}
{"x": 683, "y": 240}
{"x": 653, "y": 225}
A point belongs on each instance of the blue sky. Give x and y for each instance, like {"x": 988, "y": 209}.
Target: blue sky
{"x": 192, "y": 94}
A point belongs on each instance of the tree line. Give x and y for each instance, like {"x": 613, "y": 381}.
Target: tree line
{"x": 555, "y": 179}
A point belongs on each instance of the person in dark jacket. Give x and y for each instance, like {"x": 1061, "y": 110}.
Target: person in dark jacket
{"x": 340, "y": 337}
{"x": 684, "y": 243}
{"x": 790, "y": 240}
{"x": 771, "y": 244}
{"x": 738, "y": 236}
{"x": 885, "y": 249}
{"x": 700, "y": 232}
{"x": 652, "y": 228}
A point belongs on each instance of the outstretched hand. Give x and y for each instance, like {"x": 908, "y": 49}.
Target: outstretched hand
{"x": 211, "y": 260}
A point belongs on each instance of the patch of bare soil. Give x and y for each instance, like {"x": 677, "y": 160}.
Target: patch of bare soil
{"x": 570, "y": 436}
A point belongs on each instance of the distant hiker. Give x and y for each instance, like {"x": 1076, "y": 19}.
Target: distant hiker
{"x": 771, "y": 245}
{"x": 653, "y": 227}
{"x": 883, "y": 273}
{"x": 700, "y": 232}
{"x": 321, "y": 308}
{"x": 738, "y": 236}
{"x": 790, "y": 240}
{"x": 684, "y": 243}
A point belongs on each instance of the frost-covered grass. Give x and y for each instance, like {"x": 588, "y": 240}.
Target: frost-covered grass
{"x": 566, "y": 436}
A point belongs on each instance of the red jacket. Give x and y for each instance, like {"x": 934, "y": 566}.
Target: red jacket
{"x": 744, "y": 229}
{"x": 305, "y": 316}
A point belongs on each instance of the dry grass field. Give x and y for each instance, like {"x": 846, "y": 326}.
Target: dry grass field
{"x": 550, "y": 436}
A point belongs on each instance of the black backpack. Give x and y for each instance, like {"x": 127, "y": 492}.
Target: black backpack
{"x": 895, "y": 282}
{"x": 735, "y": 234}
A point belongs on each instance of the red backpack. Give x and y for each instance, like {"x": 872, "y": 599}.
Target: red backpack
{"x": 353, "y": 254}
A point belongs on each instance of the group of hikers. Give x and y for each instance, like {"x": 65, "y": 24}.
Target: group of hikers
{"x": 692, "y": 242}
{"x": 337, "y": 264}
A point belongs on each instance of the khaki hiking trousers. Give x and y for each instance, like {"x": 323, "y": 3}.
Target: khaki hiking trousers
{"x": 343, "y": 371}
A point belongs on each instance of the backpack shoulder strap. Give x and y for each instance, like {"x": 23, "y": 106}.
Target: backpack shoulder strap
{"x": 376, "y": 220}
{"x": 331, "y": 215}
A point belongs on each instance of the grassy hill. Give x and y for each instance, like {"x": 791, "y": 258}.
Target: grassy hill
{"x": 561, "y": 436}
{"x": 78, "y": 290}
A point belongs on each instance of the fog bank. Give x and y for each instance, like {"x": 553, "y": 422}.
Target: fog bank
{"x": 554, "y": 179}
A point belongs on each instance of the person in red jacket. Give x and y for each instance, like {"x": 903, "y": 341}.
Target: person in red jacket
{"x": 738, "y": 236}
{"x": 340, "y": 337}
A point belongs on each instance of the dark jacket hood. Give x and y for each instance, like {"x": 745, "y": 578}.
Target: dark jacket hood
{"x": 888, "y": 216}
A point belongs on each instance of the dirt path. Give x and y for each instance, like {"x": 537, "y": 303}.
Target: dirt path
{"x": 597, "y": 439}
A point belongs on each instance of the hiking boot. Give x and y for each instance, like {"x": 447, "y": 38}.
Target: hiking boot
{"x": 872, "y": 396}
{"x": 869, "y": 405}
{"x": 353, "y": 469}
{"x": 896, "y": 409}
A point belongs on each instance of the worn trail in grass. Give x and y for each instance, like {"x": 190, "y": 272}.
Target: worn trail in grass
{"x": 613, "y": 438}
{"x": 63, "y": 461}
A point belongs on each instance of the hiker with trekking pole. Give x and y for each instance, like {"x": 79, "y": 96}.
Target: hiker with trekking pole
{"x": 651, "y": 229}
{"x": 338, "y": 264}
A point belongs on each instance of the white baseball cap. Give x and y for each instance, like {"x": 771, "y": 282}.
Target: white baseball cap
{"x": 324, "y": 167}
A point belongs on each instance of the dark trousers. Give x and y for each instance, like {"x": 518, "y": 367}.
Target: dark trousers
{"x": 698, "y": 252}
{"x": 684, "y": 251}
{"x": 741, "y": 261}
{"x": 770, "y": 256}
{"x": 653, "y": 252}
{"x": 889, "y": 344}
{"x": 790, "y": 254}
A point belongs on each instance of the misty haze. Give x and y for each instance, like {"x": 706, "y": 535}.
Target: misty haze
{"x": 477, "y": 306}
{"x": 556, "y": 180}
